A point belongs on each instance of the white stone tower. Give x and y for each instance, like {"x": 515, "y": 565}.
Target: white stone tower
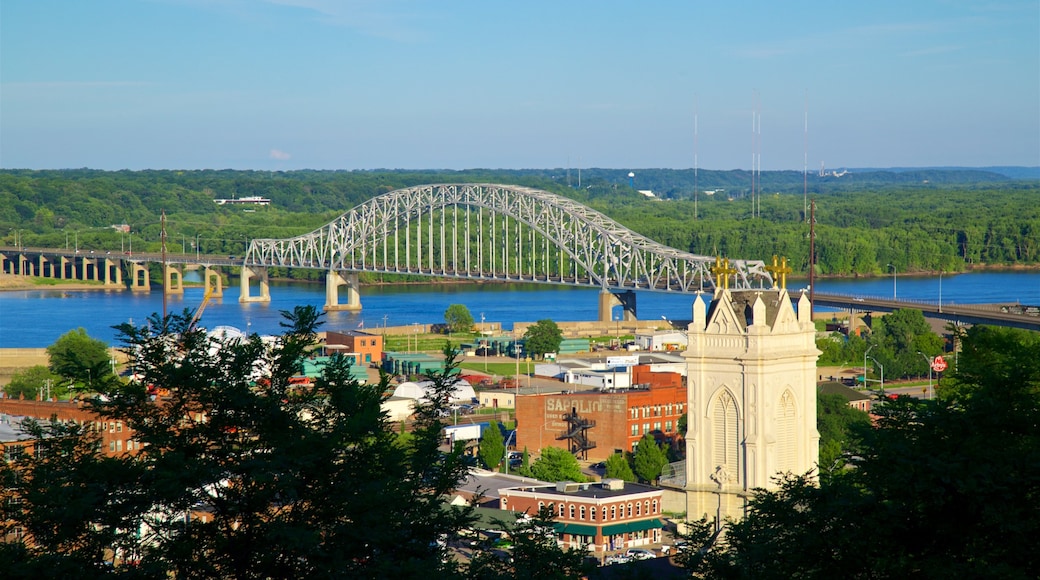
{"x": 751, "y": 413}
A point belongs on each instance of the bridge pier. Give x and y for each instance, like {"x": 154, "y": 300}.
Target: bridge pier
{"x": 608, "y": 300}
{"x": 173, "y": 280}
{"x": 265, "y": 289}
{"x": 332, "y": 283}
{"x": 139, "y": 277}
{"x": 214, "y": 285}
{"x": 113, "y": 273}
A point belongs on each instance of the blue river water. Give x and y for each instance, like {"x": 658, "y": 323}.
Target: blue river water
{"x": 36, "y": 318}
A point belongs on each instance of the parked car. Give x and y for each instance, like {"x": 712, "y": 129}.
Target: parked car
{"x": 616, "y": 559}
{"x": 639, "y": 554}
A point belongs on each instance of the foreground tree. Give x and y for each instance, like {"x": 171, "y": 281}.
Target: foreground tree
{"x": 535, "y": 553}
{"x": 240, "y": 473}
{"x": 836, "y": 421}
{"x": 542, "y": 337}
{"x": 81, "y": 359}
{"x": 944, "y": 488}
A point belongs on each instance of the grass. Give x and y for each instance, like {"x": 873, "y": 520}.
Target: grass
{"x": 500, "y": 369}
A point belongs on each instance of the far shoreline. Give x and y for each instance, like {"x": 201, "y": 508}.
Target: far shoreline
{"x": 16, "y": 283}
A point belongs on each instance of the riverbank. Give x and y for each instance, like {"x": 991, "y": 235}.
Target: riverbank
{"x": 14, "y": 282}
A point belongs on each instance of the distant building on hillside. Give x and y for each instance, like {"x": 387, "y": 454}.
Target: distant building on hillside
{"x": 248, "y": 200}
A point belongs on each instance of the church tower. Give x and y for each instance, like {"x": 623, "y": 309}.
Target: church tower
{"x": 751, "y": 413}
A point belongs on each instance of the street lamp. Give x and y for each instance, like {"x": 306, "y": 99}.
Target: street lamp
{"x": 882, "y": 374}
{"x": 893, "y": 280}
{"x": 928, "y": 359}
{"x": 865, "y": 364}
{"x": 483, "y": 340}
{"x": 198, "y": 241}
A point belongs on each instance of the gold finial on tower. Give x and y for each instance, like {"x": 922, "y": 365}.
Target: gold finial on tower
{"x": 779, "y": 271}
{"x": 722, "y": 272}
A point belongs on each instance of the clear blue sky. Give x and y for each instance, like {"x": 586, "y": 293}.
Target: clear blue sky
{"x": 352, "y": 84}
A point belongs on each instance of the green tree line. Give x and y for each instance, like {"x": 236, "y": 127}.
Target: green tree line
{"x": 918, "y": 221}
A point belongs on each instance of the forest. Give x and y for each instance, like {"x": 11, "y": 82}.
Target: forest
{"x": 924, "y": 220}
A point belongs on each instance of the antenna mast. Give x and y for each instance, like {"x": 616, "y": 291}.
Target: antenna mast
{"x": 162, "y": 238}
{"x": 695, "y": 157}
{"x": 812, "y": 255}
{"x": 805, "y": 163}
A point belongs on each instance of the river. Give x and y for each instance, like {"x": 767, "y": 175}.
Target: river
{"x": 36, "y": 318}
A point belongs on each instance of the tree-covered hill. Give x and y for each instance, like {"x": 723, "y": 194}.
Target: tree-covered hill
{"x": 919, "y": 220}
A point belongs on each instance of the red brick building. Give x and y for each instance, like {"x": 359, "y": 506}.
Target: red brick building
{"x": 116, "y": 437}
{"x": 601, "y": 423}
{"x": 606, "y": 515}
{"x": 367, "y": 347}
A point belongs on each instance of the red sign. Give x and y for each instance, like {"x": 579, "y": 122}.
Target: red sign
{"x": 938, "y": 364}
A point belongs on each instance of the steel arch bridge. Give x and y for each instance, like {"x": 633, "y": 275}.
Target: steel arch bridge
{"x": 498, "y": 232}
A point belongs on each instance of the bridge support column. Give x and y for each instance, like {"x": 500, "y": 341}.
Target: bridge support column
{"x": 332, "y": 283}
{"x": 23, "y": 265}
{"x": 113, "y": 273}
{"x": 213, "y": 284}
{"x": 139, "y": 277}
{"x": 40, "y": 267}
{"x": 261, "y": 275}
{"x": 63, "y": 265}
{"x": 173, "y": 280}
{"x": 608, "y": 300}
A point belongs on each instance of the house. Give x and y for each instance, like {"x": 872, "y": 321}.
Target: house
{"x": 856, "y": 399}
{"x": 366, "y": 348}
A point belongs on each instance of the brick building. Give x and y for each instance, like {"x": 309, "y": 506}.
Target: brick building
{"x": 366, "y": 348}
{"x": 606, "y": 515}
{"x": 603, "y": 422}
{"x": 116, "y": 437}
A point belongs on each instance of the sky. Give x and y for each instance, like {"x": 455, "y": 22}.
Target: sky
{"x": 461, "y": 84}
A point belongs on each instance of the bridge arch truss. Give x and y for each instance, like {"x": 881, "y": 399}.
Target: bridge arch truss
{"x": 496, "y": 232}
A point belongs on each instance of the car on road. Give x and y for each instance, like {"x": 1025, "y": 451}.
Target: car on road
{"x": 616, "y": 559}
{"x": 639, "y": 554}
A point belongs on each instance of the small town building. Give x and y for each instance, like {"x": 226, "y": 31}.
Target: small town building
{"x": 117, "y": 437}
{"x": 661, "y": 340}
{"x": 411, "y": 363}
{"x": 603, "y": 516}
{"x": 365, "y": 347}
{"x": 595, "y": 424}
{"x": 421, "y": 391}
{"x": 856, "y": 399}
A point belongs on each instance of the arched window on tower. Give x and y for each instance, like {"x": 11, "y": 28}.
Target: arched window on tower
{"x": 726, "y": 448}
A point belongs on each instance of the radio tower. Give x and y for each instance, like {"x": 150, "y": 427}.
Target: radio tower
{"x": 805, "y": 163}
{"x": 695, "y": 158}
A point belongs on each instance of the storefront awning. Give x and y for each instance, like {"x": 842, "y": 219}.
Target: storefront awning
{"x": 637, "y": 526}
{"x": 575, "y": 529}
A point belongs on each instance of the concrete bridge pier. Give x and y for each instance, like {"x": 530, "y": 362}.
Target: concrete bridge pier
{"x": 332, "y": 283}
{"x": 608, "y": 300}
{"x": 139, "y": 277}
{"x": 214, "y": 285}
{"x": 248, "y": 274}
{"x": 173, "y": 280}
{"x": 113, "y": 272}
